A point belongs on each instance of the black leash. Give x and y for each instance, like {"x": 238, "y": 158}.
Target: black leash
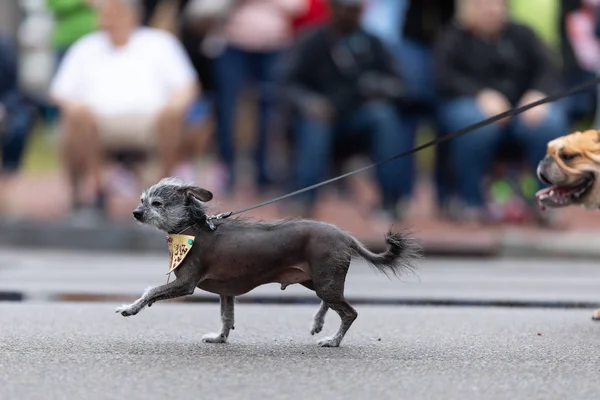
{"x": 481, "y": 124}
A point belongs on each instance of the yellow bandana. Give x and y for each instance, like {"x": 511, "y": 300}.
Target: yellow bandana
{"x": 179, "y": 247}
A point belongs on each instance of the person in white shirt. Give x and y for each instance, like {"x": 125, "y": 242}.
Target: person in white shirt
{"x": 124, "y": 87}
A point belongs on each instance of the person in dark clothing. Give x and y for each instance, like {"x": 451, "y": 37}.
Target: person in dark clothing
{"x": 486, "y": 64}
{"x": 423, "y": 21}
{"x": 17, "y": 114}
{"x": 580, "y": 38}
{"x": 341, "y": 81}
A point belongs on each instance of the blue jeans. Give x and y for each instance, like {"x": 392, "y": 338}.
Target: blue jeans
{"x": 15, "y": 131}
{"x": 471, "y": 155}
{"x": 382, "y": 123}
{"x": 231, "y": 70}
{"x": 417, "y": 67}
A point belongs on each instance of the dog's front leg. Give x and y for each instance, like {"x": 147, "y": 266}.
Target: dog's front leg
{"x": 177, "y": 288}
{"x": 227, "y": 322}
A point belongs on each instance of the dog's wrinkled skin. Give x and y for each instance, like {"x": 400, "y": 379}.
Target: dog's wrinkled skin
{"x": 241, "y": 255}
{"x": 571, "y": 168}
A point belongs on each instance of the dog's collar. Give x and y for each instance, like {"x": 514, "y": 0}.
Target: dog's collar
{"x": 208, "y": 219}
{"x": 179, "y": 247}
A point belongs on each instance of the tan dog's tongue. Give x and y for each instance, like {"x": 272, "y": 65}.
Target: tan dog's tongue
{"x": 539, "y": 194}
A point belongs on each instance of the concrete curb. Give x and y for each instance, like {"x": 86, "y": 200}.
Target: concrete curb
{"x": 568, "y": 245}
{"x": 133, "y": 238}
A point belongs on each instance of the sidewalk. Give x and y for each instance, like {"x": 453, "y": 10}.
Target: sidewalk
{"x": 37, "y": 203}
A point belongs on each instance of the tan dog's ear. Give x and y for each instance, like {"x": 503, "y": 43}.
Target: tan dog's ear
{"x": 597, "y": 136}
{"x": 197, "y": 192}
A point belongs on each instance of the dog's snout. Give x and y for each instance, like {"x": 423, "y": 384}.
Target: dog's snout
{"x": 137, "y": 214}
{"x": 543, "y": 178}
{"x": 547, "y": 159}
{"x": 544, "y": 163}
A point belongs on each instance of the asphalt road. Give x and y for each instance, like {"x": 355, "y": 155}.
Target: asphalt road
{"x": 40, "y": 274}
{"x": 86, "y": 351}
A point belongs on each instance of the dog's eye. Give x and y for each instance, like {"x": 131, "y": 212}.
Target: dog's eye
{"x": 156, "y": 204}
{"x": 567, "y": 157}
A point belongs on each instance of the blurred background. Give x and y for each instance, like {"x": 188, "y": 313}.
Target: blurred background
{"x": 255, "y": 98}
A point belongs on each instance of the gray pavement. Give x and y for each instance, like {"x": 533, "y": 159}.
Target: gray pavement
{"x": 86, "y": 351}
{"x": 43, "y": 275}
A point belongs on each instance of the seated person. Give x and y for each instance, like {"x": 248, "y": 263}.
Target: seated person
{"x": 125, "y": 87}
{"x": 340, "y": 81}
{"x": 486, "y": 64}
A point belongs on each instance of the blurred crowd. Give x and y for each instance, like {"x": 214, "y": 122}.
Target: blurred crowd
{"x": 331, "y": 78}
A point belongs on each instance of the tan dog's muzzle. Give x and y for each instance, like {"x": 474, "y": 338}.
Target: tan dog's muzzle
{"x": 569, "y": 168}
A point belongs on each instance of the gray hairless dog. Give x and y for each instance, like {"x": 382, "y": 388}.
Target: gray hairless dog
{"x": 241, "y": 255}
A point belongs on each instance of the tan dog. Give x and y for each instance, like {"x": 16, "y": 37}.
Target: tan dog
{"x": 572, "y": 168}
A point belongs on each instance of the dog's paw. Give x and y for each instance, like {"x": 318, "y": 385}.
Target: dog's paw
{"x": 214, "y": 338}
{"x": 317, "y": 328}
{"x": 126, "y": 310}
{"x": 329, "y": 342}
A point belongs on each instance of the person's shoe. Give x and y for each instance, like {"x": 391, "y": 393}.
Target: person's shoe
{"x": 471, "y": 215}
{"x": 89, "y": 215}
{"x": 84, "y": 217}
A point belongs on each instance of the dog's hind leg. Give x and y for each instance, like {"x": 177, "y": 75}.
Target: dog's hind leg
{"x": 330, "y": 289}
{"x": 319, "y": 319}
{"x": 227, "y": 321}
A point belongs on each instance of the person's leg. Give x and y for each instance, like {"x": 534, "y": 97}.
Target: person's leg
{"x": 169, "y": 136}
{"x": 265, "y": 64}
{"x": 15, "y": 130}
{"x": 534, "y": 139}
{"x": 470, "y": 154}
{"x": 313, "y": 141}
{"x": 417, "y": 66}
{"x": 229, "y": 73}
{"x": 388, "y": 136}
{"x": 81, "y": 151}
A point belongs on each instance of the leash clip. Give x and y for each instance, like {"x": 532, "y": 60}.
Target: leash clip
{"x": 209, "y": 219}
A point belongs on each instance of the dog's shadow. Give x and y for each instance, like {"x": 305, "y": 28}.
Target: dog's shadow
{"x": 277, "y": 348}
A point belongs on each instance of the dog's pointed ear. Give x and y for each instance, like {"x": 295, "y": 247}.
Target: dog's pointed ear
{"x": 197, "y": 192}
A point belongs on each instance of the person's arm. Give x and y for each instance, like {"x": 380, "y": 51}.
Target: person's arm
{"x": 453, "y": 80}
{"x": 386, "y": 81}
{"x": 547, "y": 78}
{"x": 450, "y": 78}
{"x": 179, "y": 74}
{"x": 66, "y": 86}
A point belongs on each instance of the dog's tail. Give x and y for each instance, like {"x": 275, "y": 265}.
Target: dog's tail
{"x": 401, "y": 253}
